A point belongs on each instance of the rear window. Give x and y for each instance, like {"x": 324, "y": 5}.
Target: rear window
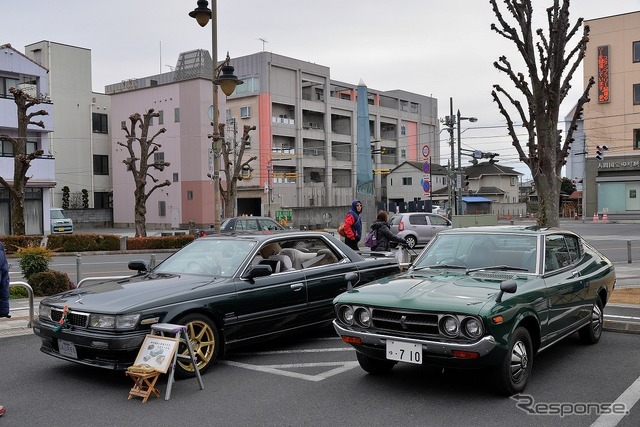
{"x": 396, "y": 220}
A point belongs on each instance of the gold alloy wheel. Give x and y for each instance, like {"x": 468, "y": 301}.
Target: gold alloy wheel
{"x": 203, "y": 343}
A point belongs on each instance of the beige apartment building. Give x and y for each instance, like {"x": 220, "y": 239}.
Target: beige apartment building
{"x": 612, "y": 118}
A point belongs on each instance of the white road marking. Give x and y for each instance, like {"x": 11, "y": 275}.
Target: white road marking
{"x": 280, "y": 369}
{"x": 622, "y": 317}
{"x": 629, "y": 398}
{"x": 299, "y": 351}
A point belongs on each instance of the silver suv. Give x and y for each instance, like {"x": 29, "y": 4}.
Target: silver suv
{"x": 417, "y": 228}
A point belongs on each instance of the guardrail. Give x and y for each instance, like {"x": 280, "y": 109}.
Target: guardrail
{"x": 30, "y": 292}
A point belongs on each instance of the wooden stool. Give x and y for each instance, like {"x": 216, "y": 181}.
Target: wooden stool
{"x": 144, "y": 384}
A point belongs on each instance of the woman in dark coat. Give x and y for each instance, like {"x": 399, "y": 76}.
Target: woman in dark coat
{"x": 384, "y": 234}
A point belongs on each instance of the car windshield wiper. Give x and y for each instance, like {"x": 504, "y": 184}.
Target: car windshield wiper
{"x": 497, "y": 267}
{"x": 436, "y": 266}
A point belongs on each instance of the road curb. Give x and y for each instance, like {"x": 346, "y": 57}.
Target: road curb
{"x": 627, "y": 327}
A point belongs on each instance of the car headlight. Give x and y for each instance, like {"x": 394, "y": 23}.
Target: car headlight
{"x": 450, "y": 326}
{"x": 473, "y": 327}
{"x": 44, "y": 311}
{"x": 346, "y": 314}
{"x": 107, "y": 321}
{"x": 363, "y": 317}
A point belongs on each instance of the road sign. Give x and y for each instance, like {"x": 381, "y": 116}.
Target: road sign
{"x": 426, "y": 150}
{"x": 425, "y": 167}
{"x": 426, "y": 185}
{"x": 286, "y": 215}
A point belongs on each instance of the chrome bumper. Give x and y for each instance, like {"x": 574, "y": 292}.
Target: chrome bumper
{"x": 437, "y": 348}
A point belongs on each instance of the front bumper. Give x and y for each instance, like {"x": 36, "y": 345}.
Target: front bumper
{"x": 109, "y": 350}
{"x": 438, "y": 353}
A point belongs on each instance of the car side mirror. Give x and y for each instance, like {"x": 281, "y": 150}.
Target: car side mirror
{"x": 350, "y": 278}
{"x": 259, "y": 270}
{"x": 509, "y": 286}
{"x": 138, "y": 265}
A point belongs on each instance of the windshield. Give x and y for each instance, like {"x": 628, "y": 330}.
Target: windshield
{"x": 208, "y": 257}
{"x": 481, "y": 250}
{"x": 57, "y": 214}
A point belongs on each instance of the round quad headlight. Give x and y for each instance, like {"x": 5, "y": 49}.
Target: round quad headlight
{"x": 346, "y": 314}
{"x": 473, "y": 327}
{"x": 450, "y": 326}
{"x": 363, "y": 317}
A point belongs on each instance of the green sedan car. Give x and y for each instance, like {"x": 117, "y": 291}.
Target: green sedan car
{"x": 480, "y": 297}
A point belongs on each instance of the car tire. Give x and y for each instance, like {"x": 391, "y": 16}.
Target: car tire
{"x": 411, "y": 241}
{"x": 511, "y": 376}
{"x": 205, "y": 342}
{"x": 374, "y": 366}
{"x": 591, "y": 333}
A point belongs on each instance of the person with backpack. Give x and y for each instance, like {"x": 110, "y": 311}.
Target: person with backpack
{"x": 353, "y": 225}
{"x": 4, "y": 284}
{"x": 382, "y": 233}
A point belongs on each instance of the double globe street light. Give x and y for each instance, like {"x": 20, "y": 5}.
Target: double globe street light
{"x": 222, "y": 76}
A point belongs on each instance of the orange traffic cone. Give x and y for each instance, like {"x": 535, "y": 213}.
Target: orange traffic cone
{"x": 595, "y": 217}
{"x": 604, "y": 217}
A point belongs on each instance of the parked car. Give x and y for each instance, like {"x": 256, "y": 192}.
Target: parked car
{"x": 243, "y": 223}
{"x": 481, "y": 297}
{"x": 60, "y": 224}
{"x": 230, "y": 290}
{"x": 418, "y": 228}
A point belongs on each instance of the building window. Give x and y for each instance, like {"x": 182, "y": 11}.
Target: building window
{"x": 150, "y": 121}
{"x": 6, "y": 149}
{"x": 407, "y": 180}
{"x": 636, "y": 139}
{"x": 100, "y": 164}
{"x": 100, "y": 123}
{"x": 636, "y": 94}
{"x": 162, "y": 208}
{"x": 250, "y": 85}
{"x": 32, "y": 146}
{"x": 101, "y": 200}
{"x": 189, "y": 195}
{"x": 161, "y": 117}
{"x": 403, "y": 130}
{"x": 636, "y": 51}
{"x": 245, "y": 112}
{"x": 176, "y": 115}
{"x": 247, "y": 143}
{"x": 123, "y": 125}
{"x": 7, "y": 83}
{"x": 403, "y": 153}
{"x": 158, "y": 157}
{"x": 175, "y": 177}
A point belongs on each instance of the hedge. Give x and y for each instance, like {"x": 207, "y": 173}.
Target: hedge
{"x": 168, "y": 242}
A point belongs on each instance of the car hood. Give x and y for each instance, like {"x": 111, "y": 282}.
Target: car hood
{"x": 428, "y": 291}
{"x": 136, "y": 292}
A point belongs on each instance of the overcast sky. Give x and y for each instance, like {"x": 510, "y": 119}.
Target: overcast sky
{"x": 439, "y": 48}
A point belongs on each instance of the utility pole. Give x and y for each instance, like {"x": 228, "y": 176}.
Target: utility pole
{"x": 452, "y": 164}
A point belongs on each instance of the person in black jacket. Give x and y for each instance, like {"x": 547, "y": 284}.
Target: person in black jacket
{"x": 4, "y": 283}
{"x": 384, "y": 234}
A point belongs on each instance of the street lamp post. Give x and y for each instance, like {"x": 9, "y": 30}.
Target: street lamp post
{"x": 459, "y": 176}
{"x": 202, "y": 14}
{"x": 269, "y": 174}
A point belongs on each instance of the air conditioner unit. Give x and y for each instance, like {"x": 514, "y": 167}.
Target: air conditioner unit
{"x": 315, "y": 152}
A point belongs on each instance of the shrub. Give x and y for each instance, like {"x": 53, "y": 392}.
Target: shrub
{"x": 13, "y": 243}
{"x": 16, "y": 292}
{"x": 167, "y": 242}
{"x": 34, "y": 260}
{"x": 83, "y": 242}
{"x": 50, "y": 282}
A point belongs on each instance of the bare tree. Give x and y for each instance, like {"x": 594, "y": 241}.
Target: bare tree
{"x": 21, "y": 159}
{"x": 139, "y": 164}
{"x": 233, "y": 167}
{"x": 549, "y": 68}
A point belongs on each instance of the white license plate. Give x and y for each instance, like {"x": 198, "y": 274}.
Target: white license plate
{"x": 404, "y": 352}
{"x": 67, "y": 348}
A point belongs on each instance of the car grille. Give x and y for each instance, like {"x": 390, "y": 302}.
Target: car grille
{"x": 418, "y": 323}
{"x": 73, "y": 318}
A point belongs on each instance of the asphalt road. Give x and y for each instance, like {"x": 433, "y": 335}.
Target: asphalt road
{"x": 315, "y": 380}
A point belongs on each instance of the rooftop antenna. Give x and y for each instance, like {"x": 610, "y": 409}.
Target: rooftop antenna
{"x": 263, "y": 42}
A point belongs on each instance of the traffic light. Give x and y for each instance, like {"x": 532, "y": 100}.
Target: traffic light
{"x": 465, "y": 182}
{"x": 600, "y": 149}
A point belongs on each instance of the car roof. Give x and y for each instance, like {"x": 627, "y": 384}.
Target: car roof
{"x": 508, "y": 229}
{"x": 265, "y": 235}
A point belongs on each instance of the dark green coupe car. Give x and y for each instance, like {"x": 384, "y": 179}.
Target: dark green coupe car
{"x": 480, "y": 297}
{"x": 229, "y": 290}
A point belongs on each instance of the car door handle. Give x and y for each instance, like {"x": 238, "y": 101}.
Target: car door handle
{"x": 297, "y": 286}
{"x": 574, "y": 274}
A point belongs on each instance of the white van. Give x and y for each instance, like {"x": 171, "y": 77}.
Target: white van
{"x": 60, "y": 224}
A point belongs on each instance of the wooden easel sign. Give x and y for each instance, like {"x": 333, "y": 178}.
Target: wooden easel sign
{"x": 157, "y": 351}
